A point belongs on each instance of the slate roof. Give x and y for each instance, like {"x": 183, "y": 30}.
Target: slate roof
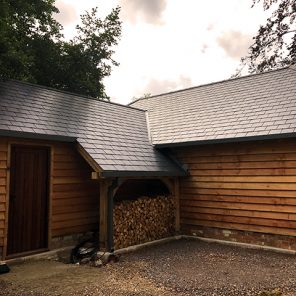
{"x": 261, "y": 105}
{"x": 115, "y": 136}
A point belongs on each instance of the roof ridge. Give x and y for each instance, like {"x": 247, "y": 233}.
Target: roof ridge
{"x": 71, "y": 93}
{"x": 291, "y": 67}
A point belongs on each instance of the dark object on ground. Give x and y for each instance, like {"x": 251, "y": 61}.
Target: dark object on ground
{"x": 85, "y": 251}
{"x": 4, "y": 268}
{"x": 112, "y": 258}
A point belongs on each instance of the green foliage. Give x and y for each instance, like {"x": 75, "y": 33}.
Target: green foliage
{"x": 21, "y": 22}
{"x": 275, "y": 43}
{"x": 32, "y": 48}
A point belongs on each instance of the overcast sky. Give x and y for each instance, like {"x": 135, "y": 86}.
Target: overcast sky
{"x": 171, "y": 44}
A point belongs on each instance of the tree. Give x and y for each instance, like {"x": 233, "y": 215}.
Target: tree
{"x": 21, "y": 23}
{"x": 275, "y": 43}
{"x": 32, "y": 47}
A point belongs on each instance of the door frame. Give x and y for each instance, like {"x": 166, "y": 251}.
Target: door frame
{"x": 29, "y": 143}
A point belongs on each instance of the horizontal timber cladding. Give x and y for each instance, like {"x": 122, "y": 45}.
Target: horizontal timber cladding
{"x": 3, "y": 181}
{"x": 75, "y": 197}
{"x": 249, "y": 186}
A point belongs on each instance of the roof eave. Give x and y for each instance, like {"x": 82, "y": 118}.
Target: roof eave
{"x": 140, "y": 174}
{"x": 226, "y": 140}
{"x": 36, "y": 136}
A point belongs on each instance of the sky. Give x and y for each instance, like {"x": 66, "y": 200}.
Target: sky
{"x": 168, "y": 45}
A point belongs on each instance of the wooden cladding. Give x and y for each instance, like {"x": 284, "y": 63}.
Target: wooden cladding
{"x": 3, "y": 190}
{"x": 75, "y": 197}
{"x": 244, "y": 186}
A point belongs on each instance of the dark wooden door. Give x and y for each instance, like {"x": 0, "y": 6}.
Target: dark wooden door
{"x": 28, "y": 204}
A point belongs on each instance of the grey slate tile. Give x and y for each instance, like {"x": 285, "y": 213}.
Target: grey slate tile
{"x": 115, "y": 136}
{"x": 263, "y": 104}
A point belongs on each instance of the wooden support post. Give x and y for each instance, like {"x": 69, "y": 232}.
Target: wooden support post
{"x": 177, "y": 203}
{"x": 103, "y": 214}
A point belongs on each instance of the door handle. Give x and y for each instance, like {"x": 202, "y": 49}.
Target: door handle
{"x": 12, "y": 197}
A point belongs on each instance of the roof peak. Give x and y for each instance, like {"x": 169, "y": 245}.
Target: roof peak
{"x": 71, "y": 93}
{"x": 291, "y": 67}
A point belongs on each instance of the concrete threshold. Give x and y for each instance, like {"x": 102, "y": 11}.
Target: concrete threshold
{"x": 49, "y": 255}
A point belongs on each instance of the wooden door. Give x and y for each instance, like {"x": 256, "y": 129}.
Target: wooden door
{"x": 28, "y": 204}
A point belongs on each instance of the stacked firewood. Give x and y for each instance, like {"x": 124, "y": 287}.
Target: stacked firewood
{"x": 142, "y": 220}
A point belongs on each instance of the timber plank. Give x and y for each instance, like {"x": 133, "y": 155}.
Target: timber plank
{"x": 240, "y": 158}
{"x": 186, "y": 223}
{"x": 3, "y": 146}
{"x": 3, "y": 164}
{"x": 73, "y": 201}
{"x": 73, "y": 223}
{"x": 246, "y": 179}
{"x": 241, "y": 199}
{"x": 90, "y": 194}
{"x": 2, "y": 189}
{"x": 71, "y": 180}
{"x": 76, "y": 215}
{"x": 240, "y": 185}
{"x": 243, "y": 220}
{"x": 67, "y": 165}
{"x": 74, "y": 229}
{"x": 72, "y": 187}
{"x": 256, "y": 147}
{"x": 74, "y": 208}
{"x": 241, "y": 213}
{"x": 3, "y": 155}
{"x": 244, "y": 172}
{"x": 238, "y": 192}
{"x": 242, "y": 165}
{"x": 240, "y": 206}
{"x": 2, "y": 198}
{"x": 72, "y": 173}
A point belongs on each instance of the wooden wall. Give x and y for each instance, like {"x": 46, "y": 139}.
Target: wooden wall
{"x": 244, "y": 186}
{"x": 3, "y": 181}
{"x": 74, "y": 196}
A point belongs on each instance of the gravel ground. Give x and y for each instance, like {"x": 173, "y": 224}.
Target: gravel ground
{"x": 186, "y": 267}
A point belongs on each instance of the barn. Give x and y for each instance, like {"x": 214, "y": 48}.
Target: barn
{"x": 225, "y": 152}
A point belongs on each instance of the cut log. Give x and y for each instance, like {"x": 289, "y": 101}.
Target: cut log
{"x": 143, "y": 220}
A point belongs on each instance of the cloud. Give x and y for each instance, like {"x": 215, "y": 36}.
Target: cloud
{"x": 210, "y": 27}
{"x": 235, "y": 43}
{"x": 67, "y": 13}
{"x": 149, "y": 11}
{"x": 156, "y": 86}
{"x": 204, "y": 48}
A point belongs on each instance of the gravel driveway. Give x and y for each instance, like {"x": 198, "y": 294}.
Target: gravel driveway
{"x": 185, "y": 267}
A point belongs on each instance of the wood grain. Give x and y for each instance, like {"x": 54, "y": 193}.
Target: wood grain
{"x": 244, "y": 186}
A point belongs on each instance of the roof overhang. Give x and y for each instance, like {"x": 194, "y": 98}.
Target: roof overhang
{"x": 139, "y": 174}
{"x": 37, "y": 136}
{"x": 227, "y": 140}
